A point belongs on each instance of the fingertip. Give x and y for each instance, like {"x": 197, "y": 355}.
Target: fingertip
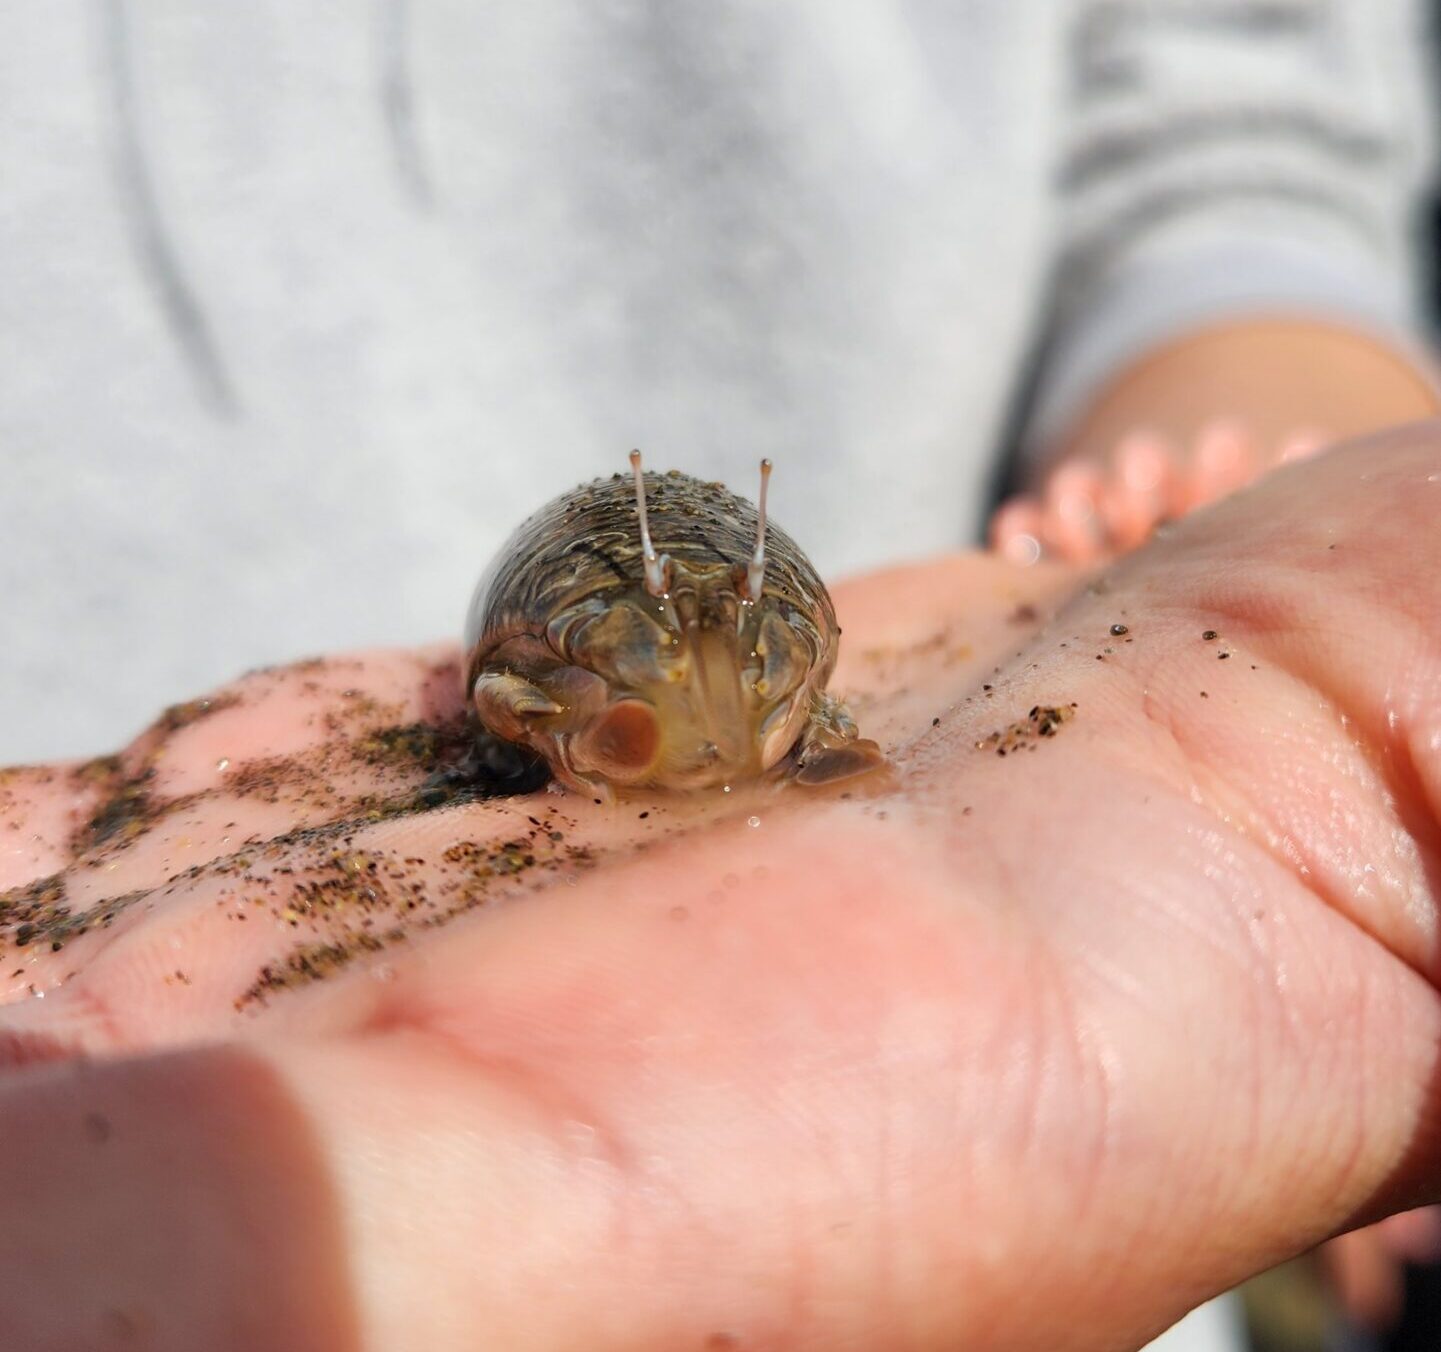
{"x": 1225, "y": 459}
{"x": 1071, "y": 524}
{"x": 1413, "y": 1236}
{"x": 1143, "y": 479}
{"x": 1144, "y": 461}
{"x": 1016, "y": 531}
{"x": 1366, "y": 1280}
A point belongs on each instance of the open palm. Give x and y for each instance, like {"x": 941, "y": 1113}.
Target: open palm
{"x": 1119, "y": 990}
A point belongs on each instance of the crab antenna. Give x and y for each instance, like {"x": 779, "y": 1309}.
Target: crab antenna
{"x": 756, "y": 572}
{"x": 654, "y": 569}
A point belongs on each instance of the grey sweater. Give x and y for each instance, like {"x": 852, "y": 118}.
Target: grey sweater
{"x": 303, "y": 305}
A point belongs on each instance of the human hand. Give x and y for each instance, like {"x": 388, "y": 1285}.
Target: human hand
{"x": 1088, "y": 511}
{"x": 1033, "y": 1049}
{"x": 1366, "y": 1269}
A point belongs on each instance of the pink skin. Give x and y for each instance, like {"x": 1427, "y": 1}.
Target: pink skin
{"x": 1086, "y": 514}
{"x": 1146, "y": 1008}
{"x": 1366, "y": 1267}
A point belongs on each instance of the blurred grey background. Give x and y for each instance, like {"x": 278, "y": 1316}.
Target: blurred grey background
{"x": 304, "y": 306}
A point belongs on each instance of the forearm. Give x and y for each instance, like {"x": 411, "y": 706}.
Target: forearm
{"x": 1276, "y": 376}
{"x": 1236, "y": 203}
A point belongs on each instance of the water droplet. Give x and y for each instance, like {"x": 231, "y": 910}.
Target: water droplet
{"x": 753, "y": 821}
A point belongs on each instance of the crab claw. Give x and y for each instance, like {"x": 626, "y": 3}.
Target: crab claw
{"x": 829, "y": 764}
{"x": 829, "y": 749}
{"x": 507, "y": 704}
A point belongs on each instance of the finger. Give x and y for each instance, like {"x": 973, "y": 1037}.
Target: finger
{"x": 1142, "y": 484}
{"x": 1367, "y": 1281}
{"x": 280, "y": 748}
{"x": 274, "y": 1198}
{"x": 1016, "y": 530}
{"x": 170, "y": 1204}
{"x": 1071, "y": 525}
{"x": 41, "y": 809}
{"x": 190, "y": 748}
{"x": 1225, "y": 460}
{"x": 1413, "y": 1236}
{"x": 313, "y": 746}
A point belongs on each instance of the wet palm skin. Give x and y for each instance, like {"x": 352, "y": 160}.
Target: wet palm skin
{"x": 1122, "y": 988}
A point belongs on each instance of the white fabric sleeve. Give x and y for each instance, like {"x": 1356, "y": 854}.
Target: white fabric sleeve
{"x": 1225, "y": 157}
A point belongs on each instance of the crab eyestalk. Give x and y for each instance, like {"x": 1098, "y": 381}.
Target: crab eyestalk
{"x": 654, "y": 564}
{"x": 756, "y": 570}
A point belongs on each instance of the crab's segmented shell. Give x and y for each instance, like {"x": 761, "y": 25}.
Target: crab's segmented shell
{"x": 582, "y": 551}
